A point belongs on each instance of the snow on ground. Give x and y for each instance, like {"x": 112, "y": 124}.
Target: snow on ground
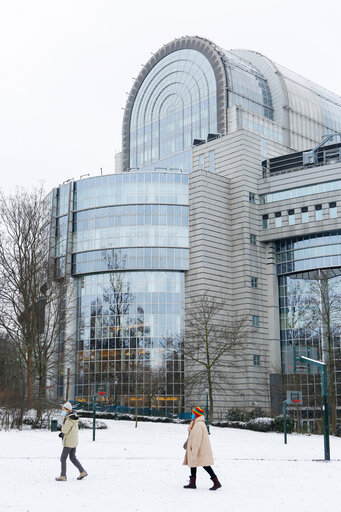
{"x": 140, "y": 470}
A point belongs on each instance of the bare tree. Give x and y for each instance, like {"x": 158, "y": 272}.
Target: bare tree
{"x": 154, "y": 383}
{"x": 32, "y": 304}
{"x": 12, "y": 386}
{"x": 214, "y": 344}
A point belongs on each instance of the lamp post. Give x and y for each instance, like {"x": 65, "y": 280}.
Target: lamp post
{"x": 285, "y": 420}
{"x": 207, "y": 412}
{"x": 94, "y": 416}
{"x": 115, "y": 382}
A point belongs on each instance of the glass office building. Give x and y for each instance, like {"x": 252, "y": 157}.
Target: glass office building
{"x": 124, "y": 240}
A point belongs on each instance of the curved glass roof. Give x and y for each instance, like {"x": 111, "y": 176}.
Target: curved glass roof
{"x": 184, "y": 90}
{"x": 247, "y": 87}
{"x": 175, "y": 104}
{"x": 310, "y": 96}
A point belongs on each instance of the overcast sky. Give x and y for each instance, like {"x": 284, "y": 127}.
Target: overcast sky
{"x": 66, "y": 67}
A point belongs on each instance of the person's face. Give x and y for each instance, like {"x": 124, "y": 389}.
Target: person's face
{"x": 66, "y": 410}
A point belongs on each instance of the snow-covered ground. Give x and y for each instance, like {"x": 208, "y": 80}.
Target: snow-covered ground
{"x": 139, "y": 470}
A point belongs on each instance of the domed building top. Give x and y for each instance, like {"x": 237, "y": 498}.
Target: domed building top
{"x": 192, "y": 87}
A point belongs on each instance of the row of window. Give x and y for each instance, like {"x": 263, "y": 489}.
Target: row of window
{"x": 104, "y": 185}
{"x": 302, "y": 242}
{"x": 300, "y": 192}
{"x": 131, "y": 187}
{"x": 309, "y": 264}
{"x": 309, "y": 252}
{"x": 130, "y": 215}
{"x": 304, "y": 213}
{"x": 130, "y": 258}
{"x": 131, "y": 236}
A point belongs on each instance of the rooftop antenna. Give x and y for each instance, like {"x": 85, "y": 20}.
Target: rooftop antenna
{"x": 310, "y": 157}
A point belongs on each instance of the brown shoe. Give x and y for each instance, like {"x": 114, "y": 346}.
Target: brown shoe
{"x": 216, "y": 483}
{"x": 61, "y": 478}
{"x": 191, "y": 484}
{"x": 83, "y": 474}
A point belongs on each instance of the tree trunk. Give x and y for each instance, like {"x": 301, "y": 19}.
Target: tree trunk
{"x": 210, "y": 394}
{"x": 29, "y": 380}
{"x": 211, "y": 403}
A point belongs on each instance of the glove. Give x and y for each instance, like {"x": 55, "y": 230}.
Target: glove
{"x": 61, "y": 435}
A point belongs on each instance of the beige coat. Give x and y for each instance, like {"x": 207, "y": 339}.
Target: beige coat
{"x": 70, "y": 430}
{"x": 198, "y": 452}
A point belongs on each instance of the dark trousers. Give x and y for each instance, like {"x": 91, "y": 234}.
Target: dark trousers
{"x": 72, "y": 453}
{"x": 206, "y": 468}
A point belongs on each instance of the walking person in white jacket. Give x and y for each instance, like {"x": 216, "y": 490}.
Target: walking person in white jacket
{"x": 198, "y": 450}
{"x": 69, "y": 435}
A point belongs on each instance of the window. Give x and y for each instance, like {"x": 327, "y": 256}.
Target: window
{"x": 255, "y": 320}
{"x": 305, "y": 214}
{"x": 211, "y": 161}
{"x": 201, "y": 161}
{"x": 251, "y": 197}
{"x": 266, "y": 221}
{"x": 254, "y": 282}
{"x": 318, "y": 212}
{"x": 332, "y": 210}
{"x": 292, "y": 193}
{"x": 291, "y": 217}
{"x": 253, "y": 239}
{"x": 256, "y": 360}
{"x": 278, "y": 219}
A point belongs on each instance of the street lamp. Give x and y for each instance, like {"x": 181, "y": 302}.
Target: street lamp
{"x": 115, "y": 382}
{"x": 207, "y": 412}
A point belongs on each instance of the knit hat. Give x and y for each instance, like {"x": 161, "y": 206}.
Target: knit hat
{"x": 68, "y": 406}
{"x": 197, "y": 411}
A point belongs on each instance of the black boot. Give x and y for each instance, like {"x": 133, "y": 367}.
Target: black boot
{"x": 191, "y": 484}
{"x": 216, "y": 484}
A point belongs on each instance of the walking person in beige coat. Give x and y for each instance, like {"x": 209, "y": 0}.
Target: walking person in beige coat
{"x": 69, "y": 435}
{"x": 198, "y": 450}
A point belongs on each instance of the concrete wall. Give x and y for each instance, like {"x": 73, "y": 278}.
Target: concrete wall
{"x": 223, "y": 260}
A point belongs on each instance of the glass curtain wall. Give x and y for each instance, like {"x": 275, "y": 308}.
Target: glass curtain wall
{"x": 176, "y": 103}
{"x": 129, "y": 253}
{"x": 247, "y": 87}
{"x": 310, "y": 318}
{"x": 309, "y": 253}
{"x": 130, "y": 329}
